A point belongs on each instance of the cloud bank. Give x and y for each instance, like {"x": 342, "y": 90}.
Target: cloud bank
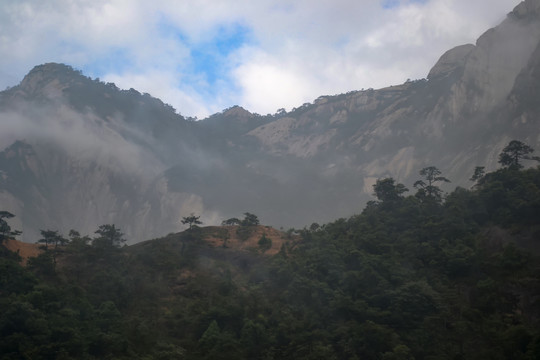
{"x": 204, "y": 56}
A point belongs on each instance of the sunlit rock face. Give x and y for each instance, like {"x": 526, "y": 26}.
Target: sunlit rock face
{"x": 78, "y": 153}
{"x": 456, "y": 118}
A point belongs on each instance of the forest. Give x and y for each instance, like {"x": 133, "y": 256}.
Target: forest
{"x": 417, "y": 274}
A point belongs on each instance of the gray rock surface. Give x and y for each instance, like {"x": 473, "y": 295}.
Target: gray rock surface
{"x": 79, "y": 153}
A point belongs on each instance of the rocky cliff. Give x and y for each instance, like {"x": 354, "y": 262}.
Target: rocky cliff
{"x": 80, "y": 153}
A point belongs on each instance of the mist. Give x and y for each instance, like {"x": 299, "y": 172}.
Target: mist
{"x": 105, "y": 155}
{"x": 106, "y": 168}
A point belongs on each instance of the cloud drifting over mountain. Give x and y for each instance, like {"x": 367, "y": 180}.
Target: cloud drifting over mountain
{"x": 203, "y": 56}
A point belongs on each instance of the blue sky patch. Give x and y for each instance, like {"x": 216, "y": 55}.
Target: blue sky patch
{"x": 211, "y": 58}
{"x": 209, "y": 66}
{"x": 390, "y": 4}
{"x": 110, "y": 62}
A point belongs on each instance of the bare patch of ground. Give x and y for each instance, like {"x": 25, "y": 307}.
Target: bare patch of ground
{"x": 25, "y": 250}
{"x": 245, "y": 237}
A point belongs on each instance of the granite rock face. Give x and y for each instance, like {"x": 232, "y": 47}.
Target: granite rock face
{"x": 79, "y": 153}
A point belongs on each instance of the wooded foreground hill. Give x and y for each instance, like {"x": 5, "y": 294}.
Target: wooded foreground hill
{"x": 410, "y": 277}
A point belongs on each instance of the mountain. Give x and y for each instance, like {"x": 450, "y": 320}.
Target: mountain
{"x": 88, "y": 154}
{"x": 79, "y": 152}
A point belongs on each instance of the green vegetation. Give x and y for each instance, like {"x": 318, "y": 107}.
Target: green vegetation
{"x": 513, "y": 154}
{"x": 427, "y": 190}
{"x": 231, "y": 222}
{"x": 5, "y": 229}
{"x": 192, "y": 221}
{"x": 250, "y": 220}
{"x": 407, "y": 278}
{"x": 264, "y": 243}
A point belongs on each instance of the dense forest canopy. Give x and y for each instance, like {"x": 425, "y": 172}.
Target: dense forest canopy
{"x": 422, "y": 276}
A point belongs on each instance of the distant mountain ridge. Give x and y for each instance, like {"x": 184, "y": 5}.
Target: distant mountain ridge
{"x": 79, "y": 153}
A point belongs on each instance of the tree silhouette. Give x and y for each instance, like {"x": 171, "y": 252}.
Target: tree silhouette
{"x": 231, "y": 222}
{"x": 5, "y": 229}
{"x": 53, "y": 238}
{"x": 191, "y": 220}
{"x": 514, "y": 152}
{"x": 109, "y": 236}
{"x": 386, "y": 190}
{"x": 250, "y": 220}
{"x": 478, "y": 175}
{"x": 427, "y": 189}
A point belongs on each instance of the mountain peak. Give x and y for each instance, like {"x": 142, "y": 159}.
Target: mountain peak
{"x": 52, "y": 67}
{"x": 50, "y": 78}
{"x": 451, "y": 61}
{"x": 525, "y": 9}
{"x": 52, "y": 70}
{"x": 236, "y": 111}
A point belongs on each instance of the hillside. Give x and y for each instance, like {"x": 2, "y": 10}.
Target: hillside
{"x": 234, "y": 238}
{"x": 24, "y": 250}
{"x": 237, "y": 238}
{"x": 410, "y": 277}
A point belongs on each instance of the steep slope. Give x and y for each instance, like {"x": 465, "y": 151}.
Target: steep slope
{"x": 91, "y": 154}
{"x": 79, "y": 153}
{"x": 459, "y": 117}
{"x": 464, "y": 89}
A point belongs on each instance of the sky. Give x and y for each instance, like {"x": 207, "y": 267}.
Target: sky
{"x": 203, "y": 56}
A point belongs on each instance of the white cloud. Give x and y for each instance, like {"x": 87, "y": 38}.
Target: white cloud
{"x": 296, "y": 51}
{"x": 265, "y": 83}
{"x": 335, "y": 47}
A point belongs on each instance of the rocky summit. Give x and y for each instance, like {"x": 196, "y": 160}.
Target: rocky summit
{"x": 78, "y": 153}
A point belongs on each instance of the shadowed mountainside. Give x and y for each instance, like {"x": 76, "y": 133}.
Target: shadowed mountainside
{"x": 80, "y": 153}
